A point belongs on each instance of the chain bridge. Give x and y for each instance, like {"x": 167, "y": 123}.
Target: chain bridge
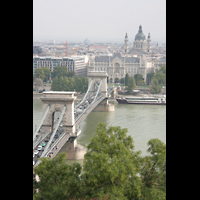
{"x": 52, "y": 134}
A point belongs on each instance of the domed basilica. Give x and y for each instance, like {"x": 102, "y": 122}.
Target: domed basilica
{"x": 140, "y": 44}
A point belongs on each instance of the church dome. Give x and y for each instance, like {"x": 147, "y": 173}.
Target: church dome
{"x": 140, "y": 35}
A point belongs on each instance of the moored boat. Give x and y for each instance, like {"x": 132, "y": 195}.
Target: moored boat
{"x": 160, "y": 100}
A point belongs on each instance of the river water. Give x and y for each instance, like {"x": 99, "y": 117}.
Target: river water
{"x": 144, "y": 122}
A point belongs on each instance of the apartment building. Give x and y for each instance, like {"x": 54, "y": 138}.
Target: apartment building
{"x": 76, "y": 64}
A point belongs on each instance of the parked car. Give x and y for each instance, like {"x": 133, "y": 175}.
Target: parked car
{"x": 33, "y": 162}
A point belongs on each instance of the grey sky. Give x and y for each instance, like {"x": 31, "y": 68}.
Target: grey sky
{"x": 98, "y": 20}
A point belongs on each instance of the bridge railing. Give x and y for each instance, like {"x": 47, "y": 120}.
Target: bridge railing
{"x": 85, "y": 95}
{"x": 53, "y": 145}
{"x": 98, "y": 92}
{"x": 40, "y": 140}
{"x": 88, "y": 109}
{"x": 54, "y": 132}
{"x": 66, "y": 138}
{"x": 34, "y": 135}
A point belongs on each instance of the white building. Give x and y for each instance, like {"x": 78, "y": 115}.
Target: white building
{"x": 117, "y": 65}
{"x": 76, "y": 64}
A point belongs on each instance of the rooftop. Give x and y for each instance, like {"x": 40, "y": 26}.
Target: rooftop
{"x": 127, "y": 59}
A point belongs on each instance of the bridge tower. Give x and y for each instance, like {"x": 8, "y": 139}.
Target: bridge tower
{"x": 100, "y": 78}
{"x": 96, "y": 78}
{"x": 55, "y": 101}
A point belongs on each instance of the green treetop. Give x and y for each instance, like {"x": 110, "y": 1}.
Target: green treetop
{"x": 110, "y": 165}
{"x": 155, "y": 88}
{"x": 111, "y": 170}
{"x": 131, "y": 84}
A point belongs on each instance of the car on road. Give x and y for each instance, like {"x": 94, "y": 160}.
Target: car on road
{"x": 33, "y": 162}
{"x": 43, "y": 144}
{"x": 33, "y": 155}
{"x": 39, "y": 148}
{"x": 36, "y": 152}
{"x": 47, "y": 140}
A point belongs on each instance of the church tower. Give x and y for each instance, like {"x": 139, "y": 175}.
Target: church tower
{"x": 149, "y": 43}
{"x": 126, "y": 49}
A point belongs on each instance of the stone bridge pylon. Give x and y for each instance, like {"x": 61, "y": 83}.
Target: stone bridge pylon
{"x": 97, "y": 78}
{"x": 100, "y": 78}
{"x": 55, "y": 102}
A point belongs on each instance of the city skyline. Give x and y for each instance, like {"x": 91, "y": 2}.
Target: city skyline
{"x": 99, "y": 21}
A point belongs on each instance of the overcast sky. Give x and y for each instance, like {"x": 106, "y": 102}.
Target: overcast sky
{"x": 98, "y": 20}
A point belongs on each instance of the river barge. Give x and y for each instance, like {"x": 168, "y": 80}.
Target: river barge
{"x": 142, "y": 100}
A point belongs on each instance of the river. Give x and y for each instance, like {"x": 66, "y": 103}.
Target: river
{"x": 143, "y": 122}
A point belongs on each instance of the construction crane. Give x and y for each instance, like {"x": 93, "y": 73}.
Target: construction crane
{"x": 66, "y": 47}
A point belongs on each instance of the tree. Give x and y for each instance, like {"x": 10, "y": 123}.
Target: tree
{"x": 85, "y": 84}
{"x": 46, "y": 71}
{"x": 81, "y": 84}
{"x": 39, "y": 73}
{"x": 161, "y": 77}
{"x": 155, "y": 88}
{"x": 62, "y": 71}
{"x": 37, "y": 82}
{"x": 111, "y": 168}
{"x": 121, "y": 80}
{"x": 57, "y": 179}
{"x": 163, "y": 69}
{"x": 64, "y": 83}
{"x": 72, "y": 84}
{"x": 55, "y": 84}
{"x": 149, "y": 77}
{"x": 139, "y": 79}
{"x": 153, "y": 171}
{"x": 126, "y": 79}
{"x": 131, "y": 84}
{"x": 110, "y": 165}
{"x": 116, "y": 80}
{"x": 71, "y": 74}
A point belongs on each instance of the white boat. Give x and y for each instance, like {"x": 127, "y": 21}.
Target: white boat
{"x": 160, "y": 100}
